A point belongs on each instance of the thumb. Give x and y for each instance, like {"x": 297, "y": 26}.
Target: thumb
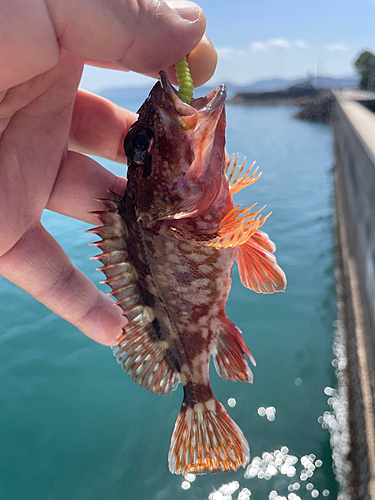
{"x": 140, "y": 35}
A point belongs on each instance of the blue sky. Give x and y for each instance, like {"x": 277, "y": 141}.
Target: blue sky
{"x": 259, "y": 39}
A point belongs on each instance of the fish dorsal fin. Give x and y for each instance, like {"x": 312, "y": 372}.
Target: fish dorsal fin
{"x": 238, "y": 180}
{"x": 237, "y": 227}
{"x": 257, "y": 265}
{"x": 206, "y": 440}
{"x": 143, "y": 357}
{"x": 229, "y": 358}
{"x": 139, "y": 350}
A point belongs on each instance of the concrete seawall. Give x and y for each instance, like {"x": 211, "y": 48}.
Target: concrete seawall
{"x": 354, "y": 133}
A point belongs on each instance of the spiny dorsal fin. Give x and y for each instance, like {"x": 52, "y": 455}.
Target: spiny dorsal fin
{"x": 238, "y": 181}
{"x": 138, "y": 349}
{"x": 257, "y": 265}
{"x": 234, "y": 230}
{"x": 237, "y": 227}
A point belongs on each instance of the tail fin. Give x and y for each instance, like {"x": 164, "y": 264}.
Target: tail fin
{"x": 206, "y": 440}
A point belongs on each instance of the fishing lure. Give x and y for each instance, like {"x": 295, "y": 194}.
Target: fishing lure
{"x": 185, "y": 81}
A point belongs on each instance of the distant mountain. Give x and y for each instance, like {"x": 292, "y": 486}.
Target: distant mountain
{"x": 346, "y": 82}
{"x": 270, "y": 85}
{"x": 273, "y": 84}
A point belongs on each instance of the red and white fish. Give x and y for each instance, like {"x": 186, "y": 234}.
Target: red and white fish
{"x": 168, "y": 250}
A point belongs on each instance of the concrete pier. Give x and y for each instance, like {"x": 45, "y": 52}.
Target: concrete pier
{"x": 354, "y": 133}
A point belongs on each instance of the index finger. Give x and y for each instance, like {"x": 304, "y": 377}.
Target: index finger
{"x": 139, "y": 35}
{"x": 202, "y": 63}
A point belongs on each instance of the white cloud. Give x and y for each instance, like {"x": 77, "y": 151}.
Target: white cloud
{"x": 284, "y": 43}
{"x": 280, "y": 43}
{"x": 301, "y": 44}
{"x": 229, "y": 52}
{"x": 335, "y": 46}
{"x": 258, "y": 46}
{"x": 225, "y": 52}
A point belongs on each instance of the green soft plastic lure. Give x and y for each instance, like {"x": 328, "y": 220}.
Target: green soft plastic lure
{"x": 185, "y": 81}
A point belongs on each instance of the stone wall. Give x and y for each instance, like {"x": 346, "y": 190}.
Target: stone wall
{"x": 355, "y": 136}
{"x": 354, "y": 132}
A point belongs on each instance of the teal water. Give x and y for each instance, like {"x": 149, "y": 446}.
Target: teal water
{"x": 74, "y": 426}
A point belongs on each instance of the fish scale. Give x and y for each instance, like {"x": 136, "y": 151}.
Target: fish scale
{"x": 168, "y": 250}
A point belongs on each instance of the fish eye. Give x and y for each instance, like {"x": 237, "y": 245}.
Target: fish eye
{"x": 138, "y": 143}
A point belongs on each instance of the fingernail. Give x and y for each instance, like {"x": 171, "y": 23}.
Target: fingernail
{"x": 189, "y": 11}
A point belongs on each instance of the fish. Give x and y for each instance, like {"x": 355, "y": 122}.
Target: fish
{"x": 168, "y": 248}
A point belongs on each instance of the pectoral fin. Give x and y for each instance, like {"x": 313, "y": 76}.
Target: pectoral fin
{"x": 257, "y": 265}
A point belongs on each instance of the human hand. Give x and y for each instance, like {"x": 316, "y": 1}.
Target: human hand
{"x": 43, "y": 47}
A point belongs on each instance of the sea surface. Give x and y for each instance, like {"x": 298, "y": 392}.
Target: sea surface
{"x": 74, "y": 426}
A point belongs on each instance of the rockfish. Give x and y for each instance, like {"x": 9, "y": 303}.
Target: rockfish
{"x": 168, "y": 250}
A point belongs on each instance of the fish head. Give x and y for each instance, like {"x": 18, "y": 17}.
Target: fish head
{"x": 176, "y": 154}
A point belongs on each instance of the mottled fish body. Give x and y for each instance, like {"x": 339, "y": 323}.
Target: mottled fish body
{"x": 168, "y": 250}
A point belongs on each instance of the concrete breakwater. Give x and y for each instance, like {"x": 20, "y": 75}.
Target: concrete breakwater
{"x": 320, "y": 109}
{"x": 296, "y": 95}
{"x": 352, "y": 117}
{"x": 316, "y": 103}
{"x": 354, "y": 174}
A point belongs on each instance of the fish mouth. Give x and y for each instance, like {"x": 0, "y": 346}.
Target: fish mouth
{"x": 203, "y": 105}
{"x": 202, "y": 124}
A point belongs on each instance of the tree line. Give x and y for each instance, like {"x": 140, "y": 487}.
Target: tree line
{"x": 365, "y": 67}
